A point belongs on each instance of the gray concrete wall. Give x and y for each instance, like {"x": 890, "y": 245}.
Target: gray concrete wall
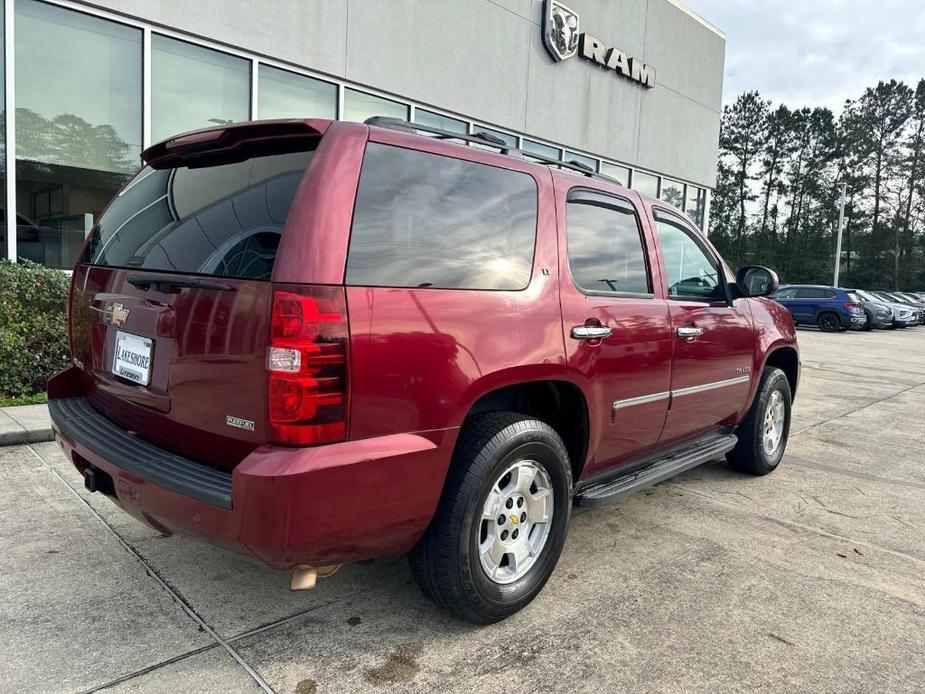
{"x": 485, "y": 59}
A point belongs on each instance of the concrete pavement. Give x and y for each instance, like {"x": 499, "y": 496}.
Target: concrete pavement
{"x": 810, "y": 579}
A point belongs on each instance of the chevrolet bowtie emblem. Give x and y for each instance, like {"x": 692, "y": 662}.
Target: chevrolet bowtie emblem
{"x": 114, "y": 314}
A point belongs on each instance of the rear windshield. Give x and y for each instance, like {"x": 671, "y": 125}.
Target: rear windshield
{"x": 218, "y": 220}
{"x": 854, "y": 297}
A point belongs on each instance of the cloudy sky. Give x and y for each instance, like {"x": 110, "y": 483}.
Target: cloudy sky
{"x": 817, "y": 52}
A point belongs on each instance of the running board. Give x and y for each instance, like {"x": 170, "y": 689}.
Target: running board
{"x": 658, "y": 470}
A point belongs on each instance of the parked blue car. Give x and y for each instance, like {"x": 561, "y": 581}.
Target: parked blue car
{"x": 831, "y": 308}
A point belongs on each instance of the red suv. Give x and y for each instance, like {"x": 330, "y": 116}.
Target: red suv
{"x": 320, "y": 342}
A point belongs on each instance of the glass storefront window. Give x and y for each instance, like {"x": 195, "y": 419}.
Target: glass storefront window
{"x": 673, "y": 193}
{"x": 358, "y": 106}
{"x": 644, "y": 183}
{"x": 435, "y": 120}
{"x": 538, "y": 148}
{"x": 194, "y": 87}
{"x": 284, "y": 94}
{"x": 78, "y": 125}
{"x": 581, "y": 159}
{"x": 620, "y": 174}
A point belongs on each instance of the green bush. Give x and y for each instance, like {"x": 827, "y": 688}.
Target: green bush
{"x": 33, "y": 326}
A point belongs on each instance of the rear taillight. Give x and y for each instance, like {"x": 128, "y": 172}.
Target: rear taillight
{"x": 307, "y": 365}
{"x": 852, "y": 305}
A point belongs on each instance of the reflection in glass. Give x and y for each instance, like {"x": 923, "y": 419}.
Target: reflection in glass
{"x": 644, "y": 183}
{"x": 78, "y": 123}
{"x": 284, "y": 94}
{"x": 194, "y": 87}
{"x": 673, "y": 193}
{"x": 689, "y": 270}
{"x": 696, "y": 203}
{"x": 620, "y": 174}
{"x": 581, "y": 159}
{"x": 605, "y": 250}
{"x": 538, "y": 148}
{"x": 423, "y": 220}
{"x": 436, "y": 120}
{"x": 218, "y": 220}
{"x": 358, "y": 106}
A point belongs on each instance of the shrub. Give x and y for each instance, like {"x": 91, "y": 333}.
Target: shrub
{"x": 33, "y": 326}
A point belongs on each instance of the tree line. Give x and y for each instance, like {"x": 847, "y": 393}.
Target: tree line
{"x": 777, "y": 196}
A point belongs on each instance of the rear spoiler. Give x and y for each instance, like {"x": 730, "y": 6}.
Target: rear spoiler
{"x": 233, "y": 143}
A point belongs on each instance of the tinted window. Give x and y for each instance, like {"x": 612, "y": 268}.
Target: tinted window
{"x": 605, "y": 251}
{"x": 788, "y": 293}
{"x": 218, "y": 220}
{"x": 690, "y": 271}
{"x": 423, "y": 220}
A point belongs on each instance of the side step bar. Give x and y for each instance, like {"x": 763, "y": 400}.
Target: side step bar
{"x": 596, "y": 493}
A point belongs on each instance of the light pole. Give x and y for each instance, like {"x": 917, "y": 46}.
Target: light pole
{"x": 841, "y": 227}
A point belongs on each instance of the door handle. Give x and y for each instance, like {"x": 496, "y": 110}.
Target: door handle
{"x": 688, "y": 332}
{"x": 591, "y": 332}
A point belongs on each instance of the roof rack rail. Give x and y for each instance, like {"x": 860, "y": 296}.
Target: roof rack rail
{"x": 486, "y": 139}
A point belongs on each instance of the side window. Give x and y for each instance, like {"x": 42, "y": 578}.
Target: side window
{"x": 605, "y": 250}
{"x": 690, "y": 271}
{"x": 829, "y": 293}
{"x": 424, "y": 220}
{"x": 789, "y": 293}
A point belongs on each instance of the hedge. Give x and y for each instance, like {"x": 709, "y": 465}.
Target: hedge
{"x": 33, "y": 327}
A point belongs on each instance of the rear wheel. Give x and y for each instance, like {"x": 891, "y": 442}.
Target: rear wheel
{"x": 869, "y": 325}
{"x": 764, "y": 433}
{"x": 501, "y": 522}
{"x": 829, "y": 322}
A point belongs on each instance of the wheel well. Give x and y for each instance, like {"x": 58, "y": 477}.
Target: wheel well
{"x": 558, "y": 403}
{"x": 787, "y": 360}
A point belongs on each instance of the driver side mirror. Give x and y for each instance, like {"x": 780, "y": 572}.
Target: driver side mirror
{"x": 756, "y": 280}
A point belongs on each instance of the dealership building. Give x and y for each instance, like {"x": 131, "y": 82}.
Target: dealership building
{"x": 630, "y": 88}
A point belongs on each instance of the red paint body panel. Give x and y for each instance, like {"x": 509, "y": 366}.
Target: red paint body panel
{"x": 418, "y": 359}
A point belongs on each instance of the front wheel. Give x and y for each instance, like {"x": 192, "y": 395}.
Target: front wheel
{"x": 502, "y": 520}
{"x": 764, "y": 433}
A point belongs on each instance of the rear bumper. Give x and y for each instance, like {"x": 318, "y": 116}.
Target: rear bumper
{"x": 285, "y": 506}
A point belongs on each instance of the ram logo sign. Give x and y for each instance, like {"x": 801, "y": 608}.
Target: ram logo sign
{"x": 563, "y": 40}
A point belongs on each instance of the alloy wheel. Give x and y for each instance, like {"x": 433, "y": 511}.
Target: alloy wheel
{"x": 515, "y": 522}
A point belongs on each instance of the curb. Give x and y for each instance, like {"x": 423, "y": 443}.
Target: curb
{"x": 25, "y": 424}
{"x": 18, "y": 438}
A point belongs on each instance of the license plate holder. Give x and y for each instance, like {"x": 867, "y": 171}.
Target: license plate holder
{"x": 131, "y": 357}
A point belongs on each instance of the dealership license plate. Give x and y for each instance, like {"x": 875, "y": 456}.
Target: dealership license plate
{"x": 132, "y": 358}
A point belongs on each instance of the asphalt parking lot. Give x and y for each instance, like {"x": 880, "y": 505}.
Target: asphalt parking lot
{"x": 810, "y": 579}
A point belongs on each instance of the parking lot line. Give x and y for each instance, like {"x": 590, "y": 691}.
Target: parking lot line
{"x": 152, "y": 572}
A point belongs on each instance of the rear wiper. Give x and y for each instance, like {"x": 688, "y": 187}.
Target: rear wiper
{"x": 166, "y": 283}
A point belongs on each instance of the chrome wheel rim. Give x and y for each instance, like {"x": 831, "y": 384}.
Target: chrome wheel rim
{"x": 773, "y": 423}
{"x": 516, "y": 521}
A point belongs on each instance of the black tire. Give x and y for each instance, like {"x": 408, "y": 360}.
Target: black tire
{"x": 749, "y": 455}
{"x": 869, "y": 325}
{"x": 829, "y": 322}
{"x": 445, "y": 563}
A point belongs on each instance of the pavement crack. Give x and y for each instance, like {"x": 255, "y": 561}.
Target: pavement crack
{"x": 780, "y": 638}
{"x": 828, "y": 510}
{"x": 857, "y": 409}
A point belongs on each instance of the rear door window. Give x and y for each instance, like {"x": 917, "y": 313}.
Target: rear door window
{"x": 605, "y": 249}
{"x": 222, "y": 220}
{"x": 425, "y": 220}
